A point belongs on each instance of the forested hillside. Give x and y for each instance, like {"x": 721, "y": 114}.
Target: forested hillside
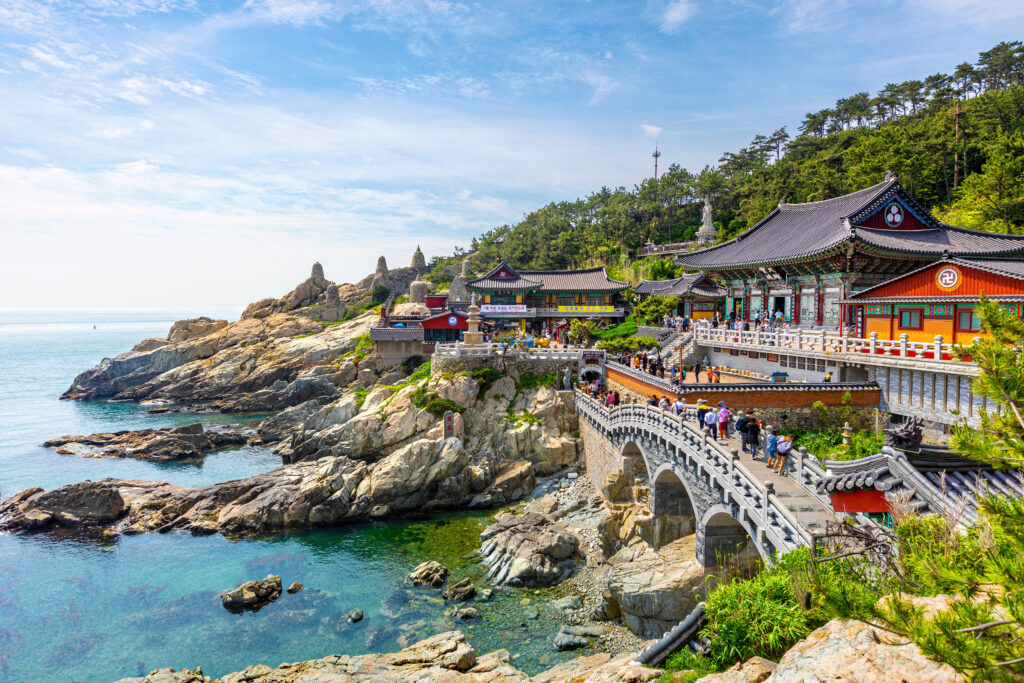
{"x": 956, "y": 141}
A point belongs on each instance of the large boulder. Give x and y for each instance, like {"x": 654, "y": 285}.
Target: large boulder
{"x": 531, "y": 550}
{"x": 83, "y": 504}
{"x": 854, "y": 651}
{"x": 161, "y": 445}
{"x": 655, "y": 590}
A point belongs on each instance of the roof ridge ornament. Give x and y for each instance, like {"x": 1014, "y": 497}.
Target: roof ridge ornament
{"x": 889, "y": 175}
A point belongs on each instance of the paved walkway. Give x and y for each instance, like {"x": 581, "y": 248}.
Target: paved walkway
{"x": 809, "y": 511}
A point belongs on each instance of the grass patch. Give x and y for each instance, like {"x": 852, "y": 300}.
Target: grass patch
{"x": 627, "y": 328}
{"x": 524, "y": 417}
{"x": 827, "y": 444}
{"x": 361, "y": 395}
{"x": 529, "y": 380}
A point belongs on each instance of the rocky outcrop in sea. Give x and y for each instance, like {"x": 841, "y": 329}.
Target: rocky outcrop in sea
{"x": 160, "y": 445}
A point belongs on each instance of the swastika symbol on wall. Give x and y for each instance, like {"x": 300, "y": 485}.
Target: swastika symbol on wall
{"x": 948, "y": 278}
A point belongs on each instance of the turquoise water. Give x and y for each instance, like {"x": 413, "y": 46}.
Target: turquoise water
{"x": 80, "y": 610}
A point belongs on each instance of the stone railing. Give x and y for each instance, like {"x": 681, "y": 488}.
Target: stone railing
{"x": 820, "y": 343}
{"x": 664, "y": 385}
{"x": 484, "y": 350}
{"x": 737, "y": 484}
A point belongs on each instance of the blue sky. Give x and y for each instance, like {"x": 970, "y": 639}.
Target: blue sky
{"x": 180, "y": 153}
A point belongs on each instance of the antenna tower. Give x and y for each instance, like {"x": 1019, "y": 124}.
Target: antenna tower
{"x": 656, "y": 154}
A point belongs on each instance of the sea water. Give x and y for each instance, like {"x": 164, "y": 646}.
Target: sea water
{"x": 77, "y": 609}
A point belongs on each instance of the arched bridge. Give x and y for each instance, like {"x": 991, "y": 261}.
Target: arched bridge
{"x": 729, "y": 496}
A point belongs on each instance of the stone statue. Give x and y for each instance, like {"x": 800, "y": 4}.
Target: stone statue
{"x": 382, "y": 266}
{"x": 458, "y": 291}
{"x": 905, "y": 437}
{"x": 566, "y": 380}
{"x": 318, "y": 272}
{"x": 707, "y": 232}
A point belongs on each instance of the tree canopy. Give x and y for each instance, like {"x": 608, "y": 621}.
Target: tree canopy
{"x": 956, "y": 141}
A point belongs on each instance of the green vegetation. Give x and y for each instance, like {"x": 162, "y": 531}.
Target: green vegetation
{"x": 486, "y": 376}
{"x": 524, "y": 417}
{"x": 971, "y": 174}
{"x": 361, "y": 395}
{"x": 529, "y": 380}
{"x": 427, "y": 399}
{"x": 628, "y": 344}
{"x": 363, "y": 347}
{"x": 760, "y": 616}
{"x": 627, "y": 328}
{"x": 654, "y": 308}
{"x": 828, "y": 444}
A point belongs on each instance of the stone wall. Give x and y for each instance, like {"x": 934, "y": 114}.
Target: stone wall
{"x": 768, "y": 403}
{"x": 600, "y": 457}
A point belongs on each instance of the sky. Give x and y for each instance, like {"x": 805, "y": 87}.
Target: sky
{"x": 191, "y": 154}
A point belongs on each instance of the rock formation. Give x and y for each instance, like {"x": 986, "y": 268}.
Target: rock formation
{"x": 161, "y": 445}
{"x": 457, "y": 290}
{"x": 253, "y": 364}
{"x": 531, "y": 550}
{"x": 183, "y": 330}
{"x": 655, "y": 590}
{"x": 419, "y": 263}
{"x": 460, "y": 592}
{"x": 430, "y": 573}
{"x": 252, "y": 595}
{"x": 444, "y": 658}
{"x": 312, "y": 298}
{"x": 418, "y": 291}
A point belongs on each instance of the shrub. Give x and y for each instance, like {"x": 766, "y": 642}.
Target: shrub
{"x": 437, "y": 406}
{"x": 760, "y": 616}
{"x": 628, "y": 344}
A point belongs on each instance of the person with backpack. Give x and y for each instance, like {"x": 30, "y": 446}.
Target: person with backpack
{"x": 702, "y": 411}
{"x": 771, "y": 445}
{"x": 741, "y": 429}
{"x": 752, "y": 436}
{"x": 785, "y": 448}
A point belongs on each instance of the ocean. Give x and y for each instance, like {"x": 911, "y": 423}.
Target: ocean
{"x": 78, "y": 609}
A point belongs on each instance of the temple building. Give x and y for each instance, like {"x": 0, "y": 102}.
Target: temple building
{"x": 939, "y": 299}
{"x": 699, "y": 297}
{"x": 805, "y": 260}
{"x": 536, "y": 300}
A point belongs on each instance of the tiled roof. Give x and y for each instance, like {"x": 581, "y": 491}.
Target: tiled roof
{"x": 584, "y": 280}
{"x": 516, "y": 283}
{"x": 939, "y": 482}
{"x": 688, "y": 283}
{"x": 396, "y": 334}
{"x": 944, "y": 299}
{"x": 794, "y": 232}
{"x": 944, "y": 239}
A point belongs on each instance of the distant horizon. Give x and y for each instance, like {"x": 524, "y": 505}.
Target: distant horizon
{"x": 184, "y": 153}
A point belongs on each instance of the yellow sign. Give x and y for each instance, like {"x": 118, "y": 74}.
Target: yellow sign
{"x": 586, "y": 309}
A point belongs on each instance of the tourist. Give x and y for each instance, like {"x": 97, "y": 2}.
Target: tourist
{"x": 702, "y": 410}
{"x": 653, "y": 401}
{"x": 663, "y": 403}
{"x": 718, "y": 375}
{"x": 741, "y": 429}
{"x": 785, "y": 447}
{"x": 682, "y": 374}
{"x": 696, "y": 372}
{"x": 723, "y": 420}
{"x": 711, "y": 422}
{"x": 678, "y": 406}
{"x": 752, "y": 436}
{"x": 616, "y": 399}
{"x": 771, "y": 445}
{"x": 828, "y": 378}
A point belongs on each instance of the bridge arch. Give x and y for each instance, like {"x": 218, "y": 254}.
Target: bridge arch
{"x": 634, "y": 464}
{"x": 728, "y": 542}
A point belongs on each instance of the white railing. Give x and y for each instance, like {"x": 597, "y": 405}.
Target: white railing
{"x": 731, "y": 476}
{"x": 823, "y": 344}
{"x": 461, "y": 350}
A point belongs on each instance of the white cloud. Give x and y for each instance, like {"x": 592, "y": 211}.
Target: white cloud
{"x": 650, "y": 131}
{"x": 677, "y": 13}
{"x": 295, "y": 12}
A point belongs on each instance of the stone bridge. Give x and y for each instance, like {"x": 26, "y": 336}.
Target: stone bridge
{"x": 729, "y": 496}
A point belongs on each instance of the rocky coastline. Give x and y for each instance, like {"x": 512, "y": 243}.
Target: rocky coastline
{"x": 362, "y": 439}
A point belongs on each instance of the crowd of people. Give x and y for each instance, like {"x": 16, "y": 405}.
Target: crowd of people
{"x": 715, "y": 420}
{"x": 652, "y": 363}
